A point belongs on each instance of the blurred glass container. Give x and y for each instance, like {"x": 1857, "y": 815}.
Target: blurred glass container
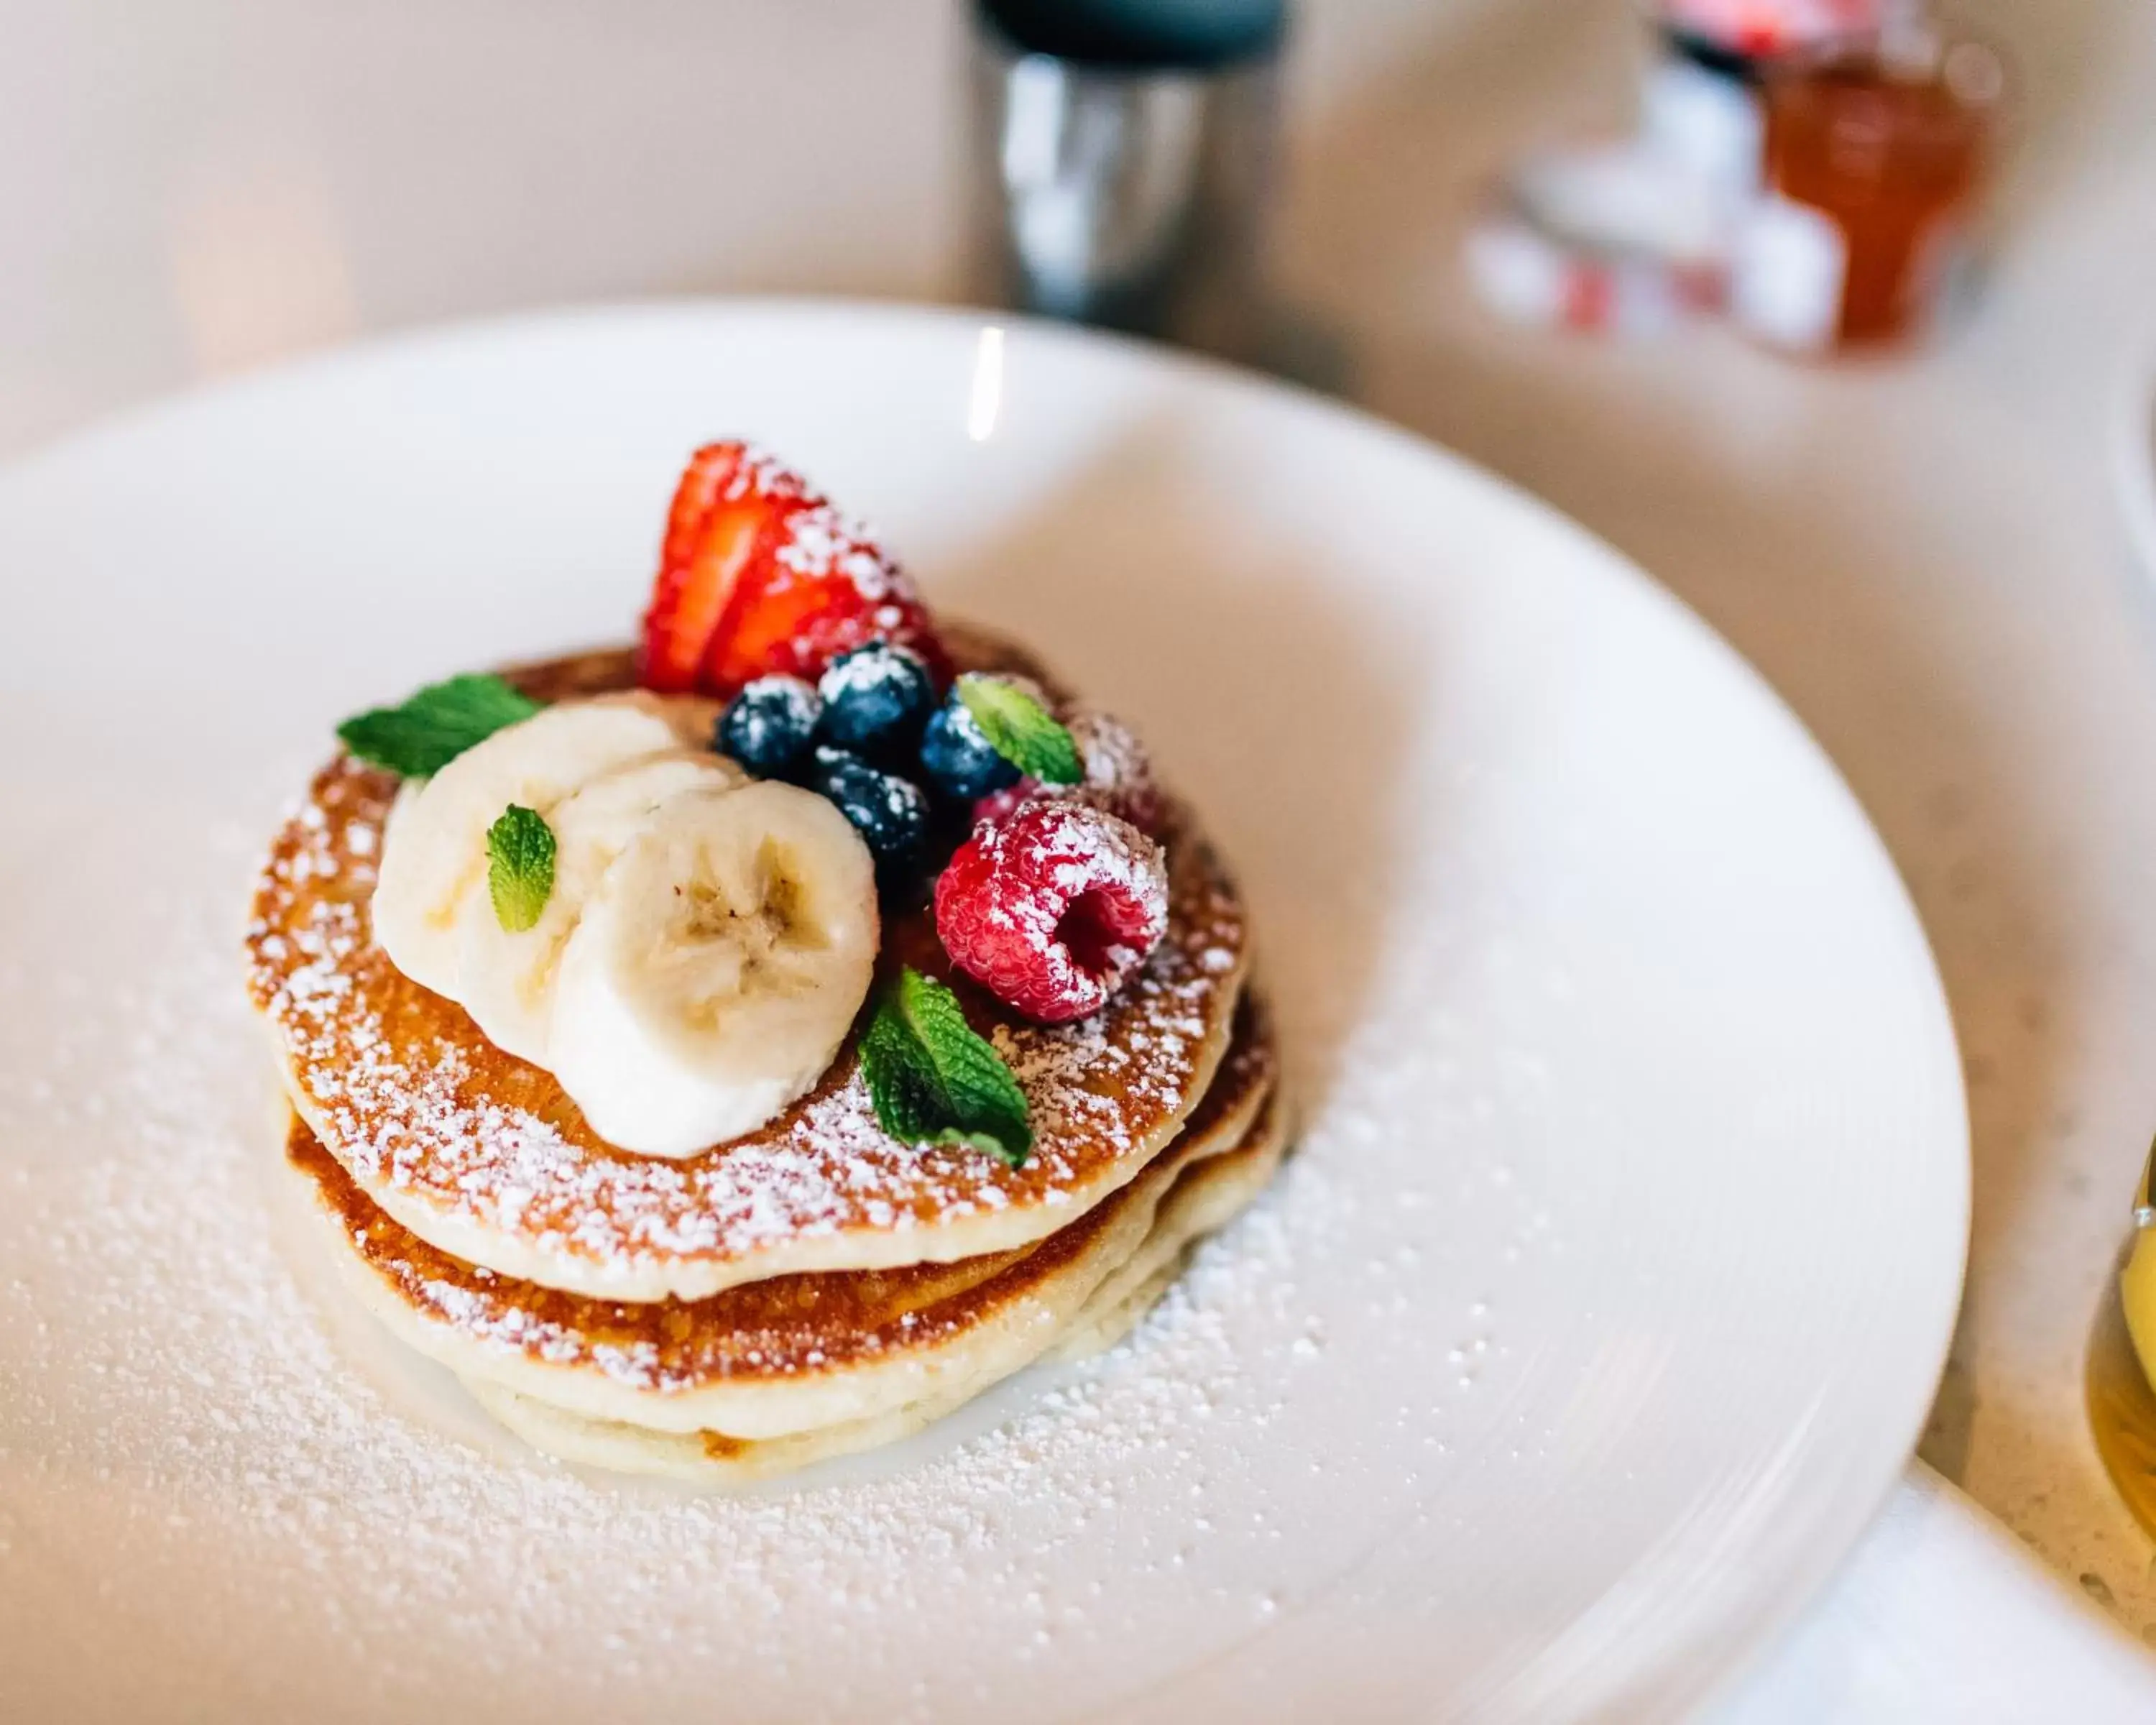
{"x": 2121, "y": 1406}
{"x": 1873, "y": 159}
{"x": 1123, "y": 160}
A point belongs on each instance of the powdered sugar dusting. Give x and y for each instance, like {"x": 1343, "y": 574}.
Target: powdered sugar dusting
{"x": 820, "y": 543}
{"x": 1118, "y": 772}
{"x": 413, "y": 1099}
{"x": 819, "y": 540}
{"x": 780, "y": 1328}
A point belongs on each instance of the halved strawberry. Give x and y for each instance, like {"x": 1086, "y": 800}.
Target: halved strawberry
{"x": 826, "y": 588}
{"x": 725, "y": 516}
{"x": 759, "y": 574}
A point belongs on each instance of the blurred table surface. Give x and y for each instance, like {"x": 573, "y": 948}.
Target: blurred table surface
{"x": 1929, "y": 558}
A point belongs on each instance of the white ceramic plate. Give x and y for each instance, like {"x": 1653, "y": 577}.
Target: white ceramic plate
{"x": 2133, "y": 451}
{"x": 1592, "y": 1323}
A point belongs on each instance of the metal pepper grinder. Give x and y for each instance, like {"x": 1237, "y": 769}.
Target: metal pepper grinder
{"x": 1124, "y": 154}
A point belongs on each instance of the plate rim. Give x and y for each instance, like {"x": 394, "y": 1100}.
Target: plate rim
{"x": 1784, "y": 1596}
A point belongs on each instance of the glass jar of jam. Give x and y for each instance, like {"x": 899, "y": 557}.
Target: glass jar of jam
{"x": 1872, "y": 159}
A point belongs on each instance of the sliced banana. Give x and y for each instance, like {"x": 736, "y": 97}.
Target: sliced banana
{"x": 505, "y": 980}
{"x": 435, "y": 850}
{"x": 715, "y": 969}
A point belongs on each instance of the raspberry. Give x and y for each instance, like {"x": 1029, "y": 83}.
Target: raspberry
{"x": 998, "y": 805}
{"x": 1118, "y": 777}
{"x": 1052, "y": 908}
{"x": 1118, "y": 772}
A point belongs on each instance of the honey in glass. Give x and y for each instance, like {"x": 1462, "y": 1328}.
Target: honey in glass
{"x": 1872, "y": 162}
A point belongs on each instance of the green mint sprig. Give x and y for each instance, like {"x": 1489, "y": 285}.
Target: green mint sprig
{"x": 520, "y": 867}
{"x": 422, "y": 735}
{"x": 1021, "y": 730}
{"x": 934, "y": 1080}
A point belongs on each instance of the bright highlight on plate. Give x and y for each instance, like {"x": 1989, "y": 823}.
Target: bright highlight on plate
{"x": 987, "y": 400}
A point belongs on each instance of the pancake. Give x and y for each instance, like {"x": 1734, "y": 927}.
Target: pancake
{"x": 1203, "y": 1199}
{"x": 704, "y": 1458}
{"x": 796, "y": 1353}
{"x": 483, "y": 1156}
{"x": 1220, "y": 1186}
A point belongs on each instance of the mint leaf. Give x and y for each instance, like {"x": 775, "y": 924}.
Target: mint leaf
{"x": 520, "y": 867}
{"x": 1021, "y": 730}
{"x": 423, "y": 734}
{"x": 934, "y": 1081}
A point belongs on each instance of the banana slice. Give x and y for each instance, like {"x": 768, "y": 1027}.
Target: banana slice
{"x": 435, "y": 850}
{"x": 716, "y": 968}
{"x": 504, "y": 980}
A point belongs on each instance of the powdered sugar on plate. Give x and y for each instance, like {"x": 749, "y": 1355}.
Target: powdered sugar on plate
{"x": 290, "y": 1522}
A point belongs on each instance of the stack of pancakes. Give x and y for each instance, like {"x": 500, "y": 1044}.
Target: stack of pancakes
{"x": 811, "y": 1289}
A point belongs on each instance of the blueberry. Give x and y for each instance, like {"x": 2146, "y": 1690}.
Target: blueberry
{"x": 877, "y": 697}
{"x": 890, "y": 813}
{"x": 767, "y": 727}
{"x": 958, "y": 758}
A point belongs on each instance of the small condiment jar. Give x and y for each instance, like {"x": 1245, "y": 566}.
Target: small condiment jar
{"x": 1124, "y": 161}
{"x": 1872, "y": 158}
{"x": 2121, "y": 1366}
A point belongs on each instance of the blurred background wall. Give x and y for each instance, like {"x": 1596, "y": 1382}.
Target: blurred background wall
{"x": 191, "y": 187}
